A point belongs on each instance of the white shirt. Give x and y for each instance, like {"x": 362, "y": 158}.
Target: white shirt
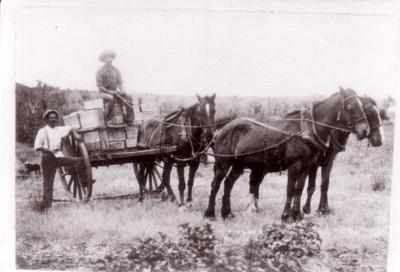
{"x": 51, "y": 138}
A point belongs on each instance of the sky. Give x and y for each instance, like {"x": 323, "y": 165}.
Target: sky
{"x": 169, "y": 51}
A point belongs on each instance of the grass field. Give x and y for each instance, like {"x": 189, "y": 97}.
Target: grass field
{"x": 76, "y": 236}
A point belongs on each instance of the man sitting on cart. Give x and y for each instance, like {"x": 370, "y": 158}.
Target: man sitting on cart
{"x": 110, "y": 85}
{"x": 48, "y": 141}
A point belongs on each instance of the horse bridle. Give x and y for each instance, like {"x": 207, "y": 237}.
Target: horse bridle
{"x": 350, "y": 124}
{"x": 186, "y": 131}
{"x": 369, "y": 104}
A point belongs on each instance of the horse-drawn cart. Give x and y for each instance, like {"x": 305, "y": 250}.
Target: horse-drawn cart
{"x": 100, "y": 145}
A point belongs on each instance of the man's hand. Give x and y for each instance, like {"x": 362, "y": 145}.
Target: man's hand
{"x": 112, "y": 92}
{"x": 47, "y": 151}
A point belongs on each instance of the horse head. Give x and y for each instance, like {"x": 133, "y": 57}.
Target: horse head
{"x": 376, "y": 135}
{"x": 351, "y": 113}
{"x": 204, "y": 117}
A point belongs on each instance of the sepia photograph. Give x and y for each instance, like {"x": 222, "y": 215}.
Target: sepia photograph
{"x": 200, "y": 135}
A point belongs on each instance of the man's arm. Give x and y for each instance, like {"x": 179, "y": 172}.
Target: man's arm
{"x": 99, "y": 81}
{"x": 120, "y": 82}
{"x": 40, "y": 143}
{"x": 45, "y": 150}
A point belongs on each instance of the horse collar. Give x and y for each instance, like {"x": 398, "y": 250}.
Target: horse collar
{"x": 324, "y": 144}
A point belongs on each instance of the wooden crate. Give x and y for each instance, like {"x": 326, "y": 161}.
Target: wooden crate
{"x": 144, "y": 116}
{"x": 91, "y": 118}
{"x": 116, "y": 134}
{"x": 149, "y": 107}
{"x": 132, "y": 132}
{"x": 95, "y": 139}
{"x": 137, "y": 122}
{"x": 95, "y": 146}
{"x": 93, "y": 104}
{"x": 112, "y": 145}
{"x": 131, "y": 143}
{"x": 72, "y": 120}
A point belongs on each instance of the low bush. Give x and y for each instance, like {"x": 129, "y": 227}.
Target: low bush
{"x": 280, "y": 247}
{"x": 283, "y": 246}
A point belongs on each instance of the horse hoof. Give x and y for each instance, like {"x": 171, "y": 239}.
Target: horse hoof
{"x": 324, "y": 211}
{"x": 229, "y": 215}
{"x": 254, "y": 209}
{"x": 189, "y": 204}
{"x": 306, "y": 210}
{"x": 286, "y": 217}
{"x": 160, "y": 189}
{"x": 297, "y": 216}
{"x": 209, "y": 214}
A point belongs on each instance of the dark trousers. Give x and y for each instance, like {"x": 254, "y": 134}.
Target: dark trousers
{"x": 49, "y": 168}
{"x": 109, "y": 105}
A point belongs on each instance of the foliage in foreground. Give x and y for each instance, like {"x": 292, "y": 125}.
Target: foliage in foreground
{"x": 280, "y": 247}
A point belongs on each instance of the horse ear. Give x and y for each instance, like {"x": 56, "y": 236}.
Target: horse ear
{"x": 199, "y": 98}
{"x": 341, "y": 90}
{"x": 213, "y": 96}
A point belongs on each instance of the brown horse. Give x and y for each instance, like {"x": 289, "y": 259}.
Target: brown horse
{"x": 338, "y": 144}
{"x": 278, "y": 145}
{"x": 190, "y": 129}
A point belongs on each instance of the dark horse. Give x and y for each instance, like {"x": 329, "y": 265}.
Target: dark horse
{"x": 190, "y": 129}
{"x": 337, "y": 144}
{"x": 278, "y": 145}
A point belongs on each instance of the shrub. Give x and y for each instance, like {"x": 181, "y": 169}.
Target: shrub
{"x": 378, "y": 182}
{"x": 283, "y": 245}
{"x": 280, "y": 248}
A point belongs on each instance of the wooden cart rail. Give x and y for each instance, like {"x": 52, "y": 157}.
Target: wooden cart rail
{"x": 106, "y": 158}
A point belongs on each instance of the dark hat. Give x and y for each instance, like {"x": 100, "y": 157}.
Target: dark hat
{"x": 107, "y": 53}
{"x": 44, "y": 117}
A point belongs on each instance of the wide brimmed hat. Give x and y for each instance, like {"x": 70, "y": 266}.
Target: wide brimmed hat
{"x": 44, "y": 117}
{"x": 107, "y": 53}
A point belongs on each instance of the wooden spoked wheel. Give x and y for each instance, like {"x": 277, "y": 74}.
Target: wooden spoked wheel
{"x": 77, "y": 182}
{"x": 152, "y": 174}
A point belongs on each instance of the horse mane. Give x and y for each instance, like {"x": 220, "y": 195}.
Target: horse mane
{"x": 190, "y": 110}
{"x": 368, "y": 99}
{"x": 173, "y": 115}
{"x": 177, "y": 113}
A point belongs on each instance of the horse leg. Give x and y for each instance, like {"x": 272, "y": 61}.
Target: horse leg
{"x": 220, "y": 171}
{"x": 325, "y": 175}
{"x": 230, "y": 180}
{"x": 293, "y": 172}
{"x": 166, "y": 175}
{"x": 180, "y": 167}
{"x": 296, "y": 213}
{"x": 193, "y": 166}
{"x": 312, "y": 175}
{"x": 256, "y": 177}
{"x": 141, "y": 180}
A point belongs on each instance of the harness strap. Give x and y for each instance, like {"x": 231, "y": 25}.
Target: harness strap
{"x": 336, "y": 142}
{"x": 47, "y": 137}
{"x": 267, "y": 126}
{"x": 324, "y": 144}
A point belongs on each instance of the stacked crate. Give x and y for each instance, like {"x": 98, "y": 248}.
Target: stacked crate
{"x": 96, "y": 136}
{"x": 144, "y": 112}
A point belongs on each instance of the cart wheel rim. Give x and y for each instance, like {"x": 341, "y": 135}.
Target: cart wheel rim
{"x": 152, "y": 174}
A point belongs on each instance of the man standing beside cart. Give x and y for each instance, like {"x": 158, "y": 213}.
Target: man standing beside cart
{"x": 110, "y": 85}
{"x": 48, "y": 141}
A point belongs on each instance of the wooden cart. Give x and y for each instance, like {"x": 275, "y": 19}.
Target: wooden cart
{"x": 78, "y": 183}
